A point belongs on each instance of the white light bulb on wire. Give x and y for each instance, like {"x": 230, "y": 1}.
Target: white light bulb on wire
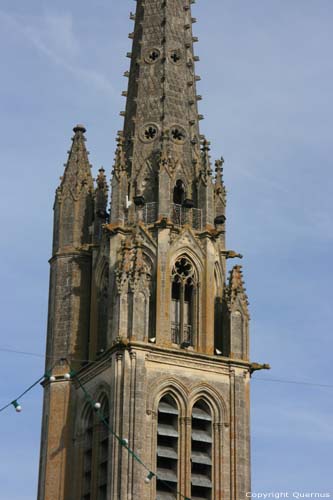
{"x": 149, "y": 477}
{"x": 17, "y": 406}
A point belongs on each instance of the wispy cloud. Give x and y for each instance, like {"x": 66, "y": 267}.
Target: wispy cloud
{"x": 53, "y": 36}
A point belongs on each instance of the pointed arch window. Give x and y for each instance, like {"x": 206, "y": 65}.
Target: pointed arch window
{"x": 103, "y": 451}
{"x": 103, "y": 312}
{"x": 184, "y": 302}
{"x": 179, "y": 193}
{"x": 167, "y": 449}
{"x": 95, "y": 453}
{"x": 201, "y": 452}
{"x": 87, "y": 454}
{"x": 218, "y": 312}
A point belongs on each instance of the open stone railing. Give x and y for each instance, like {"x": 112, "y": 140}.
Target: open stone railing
{"x": 180, "y": 215}
{"x": 175, "y": 333}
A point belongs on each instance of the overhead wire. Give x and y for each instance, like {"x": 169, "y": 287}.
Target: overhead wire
{"x": 79, "y": 360}
{"x": 123, "y": 442}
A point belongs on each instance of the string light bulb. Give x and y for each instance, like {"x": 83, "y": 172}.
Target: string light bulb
{"x": 67, "y": 376}
{"x": 97, "y": 406}
{"x": 52, "y": 378}
{"x": 17, "y": 406}
{"x": 149, "y": 477}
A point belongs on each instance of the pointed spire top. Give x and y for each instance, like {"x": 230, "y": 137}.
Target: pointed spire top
{"x": 101, "y": 180}
{"x": 161, "y": 92}
{"x": 120, "y": 158}
{"x": 219, "y": 172}
{"x": 236, "y": 288}
{"x": 77, "y": 173}
{"x": 205, "y": 149}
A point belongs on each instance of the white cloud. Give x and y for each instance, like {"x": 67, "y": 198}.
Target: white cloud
{"x": 53, "y": 36}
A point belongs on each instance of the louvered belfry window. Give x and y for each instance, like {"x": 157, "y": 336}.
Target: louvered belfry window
{"x": 87, "y": 455}
{"x": 95, "y": 453}
{"x": 201, "y": 453}
{"x": 103, "y": 452}
{"x": 167, "y": 449}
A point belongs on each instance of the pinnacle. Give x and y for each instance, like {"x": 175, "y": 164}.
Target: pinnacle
{"x": 120, "y": 158}
{"x": 219, "y": 171}
{"x": 77, "y": 169}
{"x": 236, "y": 286}
{"x": 101, "y": 179}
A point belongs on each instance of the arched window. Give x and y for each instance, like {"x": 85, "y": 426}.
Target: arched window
{"x": 218, "y": 313}
{"x": 179, "y": 193}
{"x": 95, "y": 458}
{"x": 201, "y": 452}
{"x": 87, "y": 454}
{"x": 103, "y": 451}
{"x": 167, "y": 449}
{"x": 103, "y": 312}
{"x": 183, "y": 304}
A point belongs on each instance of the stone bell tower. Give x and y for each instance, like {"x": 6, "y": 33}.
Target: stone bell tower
{"x": 140, "y": 301}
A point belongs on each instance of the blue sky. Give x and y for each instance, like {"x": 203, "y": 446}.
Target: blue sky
{"x": 267, "y": 72}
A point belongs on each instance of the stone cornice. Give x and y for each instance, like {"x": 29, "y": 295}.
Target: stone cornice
{"x": 71, "y": 252}
{"x": 164, "y": 355}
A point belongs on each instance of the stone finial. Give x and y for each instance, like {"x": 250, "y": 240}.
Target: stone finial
{"x": 79, "y": 128}
{"x": 101, "y": 180}
{"x": 219, "y": 172}
{"x": 120, "y": 158}
{"x": 236, "y": 288}
{"x": 206, "y": 171}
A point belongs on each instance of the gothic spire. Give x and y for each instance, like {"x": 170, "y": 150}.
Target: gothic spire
{"x": 120, "y": 158}
{"x": 219, "y": 173}
{"x": 73, "y": 208}
{"x": 236, "y": 289}
{"x": 206, "y": 164}
{"x": 101, "y": 180}
{"x": 77, "y": 176}
{"x": 161, "y": 94}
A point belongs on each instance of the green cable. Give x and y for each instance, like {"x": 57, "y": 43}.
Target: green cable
{"x": 15, "y": 401}
{"x": 123, "y": 443}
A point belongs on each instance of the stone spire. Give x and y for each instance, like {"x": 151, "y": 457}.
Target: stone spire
{"x": 119, "y": 183}
{"x": 100, "y": 205}
{"x": 206, "y": 163}
{"x": 161, "y": 96}
{"x": 220, "y": 193}
{"x": 73, "y": 209}
{"x": 236, "y": 290}
{"x": 77, "y": 176}
{"x": 219, "y": 183}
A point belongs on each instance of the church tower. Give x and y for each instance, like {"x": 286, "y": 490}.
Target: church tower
{"x": 141, "y": 308}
